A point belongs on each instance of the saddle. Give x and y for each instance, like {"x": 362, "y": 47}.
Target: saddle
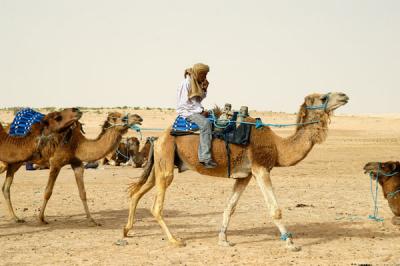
{"x": 231, "y": 131}
{"x": 23, "y": 121}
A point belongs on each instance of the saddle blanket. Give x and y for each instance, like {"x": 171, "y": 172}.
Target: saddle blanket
{"x": 181, "y": 124}
{"x": 23, "y": 122}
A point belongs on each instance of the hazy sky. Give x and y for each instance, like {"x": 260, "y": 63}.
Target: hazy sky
{"x": 264, "y": 54}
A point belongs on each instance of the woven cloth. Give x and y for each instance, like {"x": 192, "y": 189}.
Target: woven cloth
{"x": 23, "y": 121}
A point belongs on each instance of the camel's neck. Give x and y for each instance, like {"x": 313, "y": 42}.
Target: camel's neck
{"x": 92, "y": 150}
{"x": 18, "y": 149}
{"x": 295, "y": 148}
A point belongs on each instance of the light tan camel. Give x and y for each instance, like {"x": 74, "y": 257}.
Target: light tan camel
{"x": 74, "y": 150}
{"x": 265, "y": 151}
{"x": 388, "y": 174}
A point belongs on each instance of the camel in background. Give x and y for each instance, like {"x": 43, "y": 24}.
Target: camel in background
{"x": 128, "y": 153}
{"x": 124, "y": 152}
{"x": 265, "y": 151}
{"x": 74, "y": 150}
{"x": 388, "y": 175}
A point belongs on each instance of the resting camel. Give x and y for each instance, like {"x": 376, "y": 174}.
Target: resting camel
{"x": 140, "y": 158}
{"x": 265, "y": 151}
{"x": 128, "y": 153}
{"x": 124, "y": 152}
{"x": 74, "y": 150}
{"x": 388, "y": 174}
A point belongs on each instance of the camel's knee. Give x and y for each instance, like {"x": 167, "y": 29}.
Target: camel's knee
{"x": 83, "y": 196}
{"x": 47, "y": 195}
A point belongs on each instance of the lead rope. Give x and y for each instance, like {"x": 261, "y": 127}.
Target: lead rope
{"x": 375, "y": 197}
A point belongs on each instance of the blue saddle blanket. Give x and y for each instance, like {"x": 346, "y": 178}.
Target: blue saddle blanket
{"x": 23, "y": 121}
{"x": 182, "y": 124}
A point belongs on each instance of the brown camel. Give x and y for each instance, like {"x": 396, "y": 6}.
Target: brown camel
{"x": 140, "y": 158}
{"x": 16, "y": 150}
{"x": 265, "y": 151}
{"x": 128, "y": 153}
{"x": 126, "y": 149}
{"x": 74, "y": 150}
{"x": 388, "y": 174}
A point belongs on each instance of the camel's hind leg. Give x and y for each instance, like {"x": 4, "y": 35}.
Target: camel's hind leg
{"x": 135, "y": 199}
{"x": 78, "y": 172}
{"x": 11, "y": 169}
{"x": 161, "y": 184}
{"x": 264, "y": 182}
{"x": 3, "y": 167}
{"x": 54, "y": 171}
{"x": 238, "y": 188}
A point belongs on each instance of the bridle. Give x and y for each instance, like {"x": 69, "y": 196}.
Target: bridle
{"x": 322, "y": 106}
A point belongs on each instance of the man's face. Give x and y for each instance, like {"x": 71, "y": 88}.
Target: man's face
{"x": 201, "y": 77}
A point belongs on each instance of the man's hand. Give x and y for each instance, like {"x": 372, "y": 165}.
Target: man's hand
{"x": 205, "y": 113}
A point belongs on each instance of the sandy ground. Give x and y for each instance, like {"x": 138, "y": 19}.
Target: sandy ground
{"x": 332, "y": 228}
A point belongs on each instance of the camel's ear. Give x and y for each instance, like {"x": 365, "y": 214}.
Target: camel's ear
{"x": 45, "y": 122}
{"x": 397, "y": 168}
{"x": 393, "y": 166}
{"x": 309, "y": 101}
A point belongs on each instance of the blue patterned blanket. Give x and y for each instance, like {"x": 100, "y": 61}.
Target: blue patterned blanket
{"x": 23, "y": 122}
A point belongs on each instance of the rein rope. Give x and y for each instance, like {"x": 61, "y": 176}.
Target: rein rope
{"x": 374, "y": 216}
{"x": 258, "y": 124}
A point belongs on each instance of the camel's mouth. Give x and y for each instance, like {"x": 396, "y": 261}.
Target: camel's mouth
{"x": 342, "y": 99}
{"x": 370, "y": 168}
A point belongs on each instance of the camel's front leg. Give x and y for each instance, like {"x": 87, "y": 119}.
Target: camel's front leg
{"x": 78, "y": 171}
{"x": 11, "y": 169}
{"x": 238, "y": 188}
{"x": 54, "y": 171}
{"x": 262, "y": 176}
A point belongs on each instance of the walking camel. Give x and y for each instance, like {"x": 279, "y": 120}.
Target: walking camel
{"x": 265, "y": 151}
{"x": 75, "y": 150}
{"x": 15, "y": 150}
{"x": 18, "y": 149}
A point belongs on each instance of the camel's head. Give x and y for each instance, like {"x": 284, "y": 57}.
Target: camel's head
{"x": 57, "y": 122}
{"x": 325, "y": 102}
{"x": 123, "y": 122}
{"x": 383, "y": 171}
{"x": 133, "y": 143}
{"x": 317, "y": 109}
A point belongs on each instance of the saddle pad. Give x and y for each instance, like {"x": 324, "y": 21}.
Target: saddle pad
{"x": 23, "y": 121}
{"x": 182, "y": 124}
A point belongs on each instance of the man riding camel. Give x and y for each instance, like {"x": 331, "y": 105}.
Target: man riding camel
{"x": 191, "y": 93}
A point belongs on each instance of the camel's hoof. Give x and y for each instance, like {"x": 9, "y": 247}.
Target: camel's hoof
{"x": 225, "y": 243}
{"x": 19, "y": 221}
{"x": 396, "y": 220}
{"x": 179, "y": 243}
{"x": 125, "y": 232}
{"x": 293, "y": 248}
{"x": 43, "y": 221}
{"x": 93, "y": 223}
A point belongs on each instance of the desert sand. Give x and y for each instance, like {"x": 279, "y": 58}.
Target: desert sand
{"x": 325, "y": 199}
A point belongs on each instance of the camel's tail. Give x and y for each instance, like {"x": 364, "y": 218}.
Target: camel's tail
{"x": 137, "y": 184}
